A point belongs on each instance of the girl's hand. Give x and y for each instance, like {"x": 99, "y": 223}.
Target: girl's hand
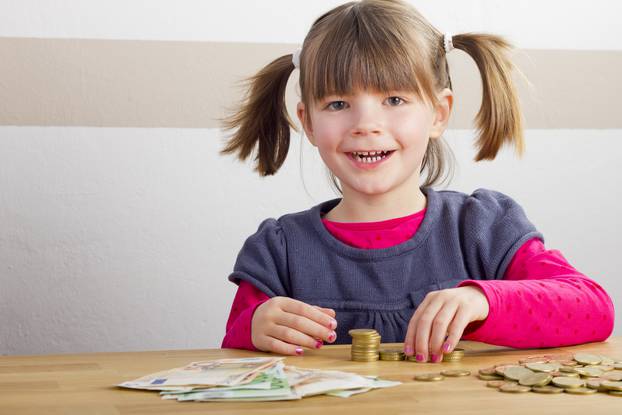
{"x": 439, "y": 321}
{"x": 284, "y": 325}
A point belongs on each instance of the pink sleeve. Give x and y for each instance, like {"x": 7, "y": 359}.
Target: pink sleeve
{"x": 542, "y": 302}
{"x": 246, "y": 300}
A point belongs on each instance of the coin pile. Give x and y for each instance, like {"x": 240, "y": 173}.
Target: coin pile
{"x": 579, "y": 374}
{"x": 435, "y": 377}
{"x": 391, "y": 354}
{"x": 365, "y": 345}
{"x": 455, "y": 356}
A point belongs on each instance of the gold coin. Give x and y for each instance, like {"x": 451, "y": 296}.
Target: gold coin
{"x": 596, "y": 384}
{"x": 490, "y": 377}
{"x": 568, "y": 382}
{"x": 514, "y": 388}
{"x": 604, "y": 360}
{"x": 589, "y": 372}
{"x": 500, "y": 369}
{"x": 612, "y": 385}
{"x": 362, "y": 332}
{"x": 541, "y": 367}
{"x": 496, "y": 383}
{"x": 615, "y": 375}
{"x": 567, "y": 369}
{"x": 455, "y": 373}
{"x": 533, "y": 359}
{"x": 487, "y": 371}
{"x": 587, "y": 359}
{"x": 516, "y": 372}
{"x": 412, "y": 358}
{"x": 569, "y": 363}
{"x": 391, "y": 351}
{"x": 536, "y": 379}
{"x": 580, "y": 391}
{"x": 429, "y": 377}
{"x": 547, "y": 389}
{"x": 615, "y": 393}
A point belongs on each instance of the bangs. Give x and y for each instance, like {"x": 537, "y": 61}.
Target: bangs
{"x": 359, "y": 53}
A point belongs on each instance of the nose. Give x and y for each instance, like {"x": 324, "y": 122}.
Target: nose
{"x": 368, "y": 121}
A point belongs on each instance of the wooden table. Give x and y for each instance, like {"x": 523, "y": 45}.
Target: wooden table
{"x": 84, "y": 384}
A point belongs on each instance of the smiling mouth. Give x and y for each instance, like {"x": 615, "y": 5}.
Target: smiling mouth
{"x": 368, "y": 158}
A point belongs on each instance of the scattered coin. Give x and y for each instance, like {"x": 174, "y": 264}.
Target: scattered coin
{"x": 429, "y": 377}
{"x": 587, "y": 359}
{"x": 567, "y": 382}
{"x": 580, "y": 391}
{"x": 612, "y": 385}
{"x": 589, "y": 372}
{"x": 514, "y": 388}
{"x": 541, "y": 367}
{"x": 496, "y": 383}
{"x": 490, "y": 377}
{"x": 547, "y": 389}
{"x": 516, "y": 372}
{"x": 615, "y": 375}
{"x": 536, "y": 379}
{"x": 455, "y": 373}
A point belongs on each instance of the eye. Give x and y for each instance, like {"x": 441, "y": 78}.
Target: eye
{"x": 336, "y": 105}
{"x": 395, "y": 100}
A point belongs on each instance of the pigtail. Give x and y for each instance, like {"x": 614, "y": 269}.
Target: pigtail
{"x": 499, "y": 118}
{"x": 262, "y": 118}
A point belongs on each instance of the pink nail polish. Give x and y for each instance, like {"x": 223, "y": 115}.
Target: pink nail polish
{"x": 446, "y": 347}
{"x": 419, "y": 357}
{"x": 332, "y": 337}
{"x": 435, "y": 358}
{"x": 299, "y": 351}
{"x": 409, "y": 350}
{"x": 333, "y": 324}
{"x": 318, "y": 344}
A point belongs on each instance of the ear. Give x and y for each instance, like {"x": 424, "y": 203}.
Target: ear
{"x": 301, "y": 112}
{"x": 442, "y": 113}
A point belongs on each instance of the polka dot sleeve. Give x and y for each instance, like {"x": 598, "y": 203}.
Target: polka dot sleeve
{"x": 246, "y": 300}
{"x": 542, "y": 302}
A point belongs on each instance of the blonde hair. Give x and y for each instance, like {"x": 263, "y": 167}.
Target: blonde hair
{"x": 380, "y": 45}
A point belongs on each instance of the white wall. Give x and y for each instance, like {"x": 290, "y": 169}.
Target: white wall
{"x": 121, "y": 239}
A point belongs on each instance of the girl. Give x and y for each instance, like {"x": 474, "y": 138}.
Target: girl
{"x": 421, "y": 266}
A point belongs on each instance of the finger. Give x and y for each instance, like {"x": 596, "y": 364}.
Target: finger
{"x": 292, "y": 336}
{"x": 409, "y": 340}
{"x": 307, "y": 326}
{"x": 455, "y": 329}
{"x": 424, "y": 327}
{"x": 439, "y": 329}
{"x": 328, "y": 311}
{"x": 278, "y": 346}
{"x": 310, "y": 312}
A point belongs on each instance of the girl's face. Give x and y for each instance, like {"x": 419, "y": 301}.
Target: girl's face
{"x": 368, "y": 121}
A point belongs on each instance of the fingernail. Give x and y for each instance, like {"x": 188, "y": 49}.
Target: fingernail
{"x": 299, "y": 351}
{"x": 333, "y": 324}
{"x": 419, "y": 357}
{"x": 408, "y": 350}
{"x": 446, "y": 347}
{"x": 332, "y": 337}
{"x": 318, "y": 344}
{"x": 435, "y": 358}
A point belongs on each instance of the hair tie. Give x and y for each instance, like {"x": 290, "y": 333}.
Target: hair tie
{"x": 296, "y": 57}
{"x": 448, "y": 42}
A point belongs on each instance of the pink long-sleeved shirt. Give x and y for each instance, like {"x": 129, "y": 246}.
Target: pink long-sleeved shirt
{"x": 541, "y": 302}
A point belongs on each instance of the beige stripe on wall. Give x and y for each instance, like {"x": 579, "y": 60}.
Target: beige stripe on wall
{"x": 132, "y": 83}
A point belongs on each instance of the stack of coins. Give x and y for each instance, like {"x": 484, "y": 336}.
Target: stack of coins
{"x": 581, "y": 374}
{"x": 455, "y": 356}
{"x": 365, "y": 345}
{"x": 391, "y": 354}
